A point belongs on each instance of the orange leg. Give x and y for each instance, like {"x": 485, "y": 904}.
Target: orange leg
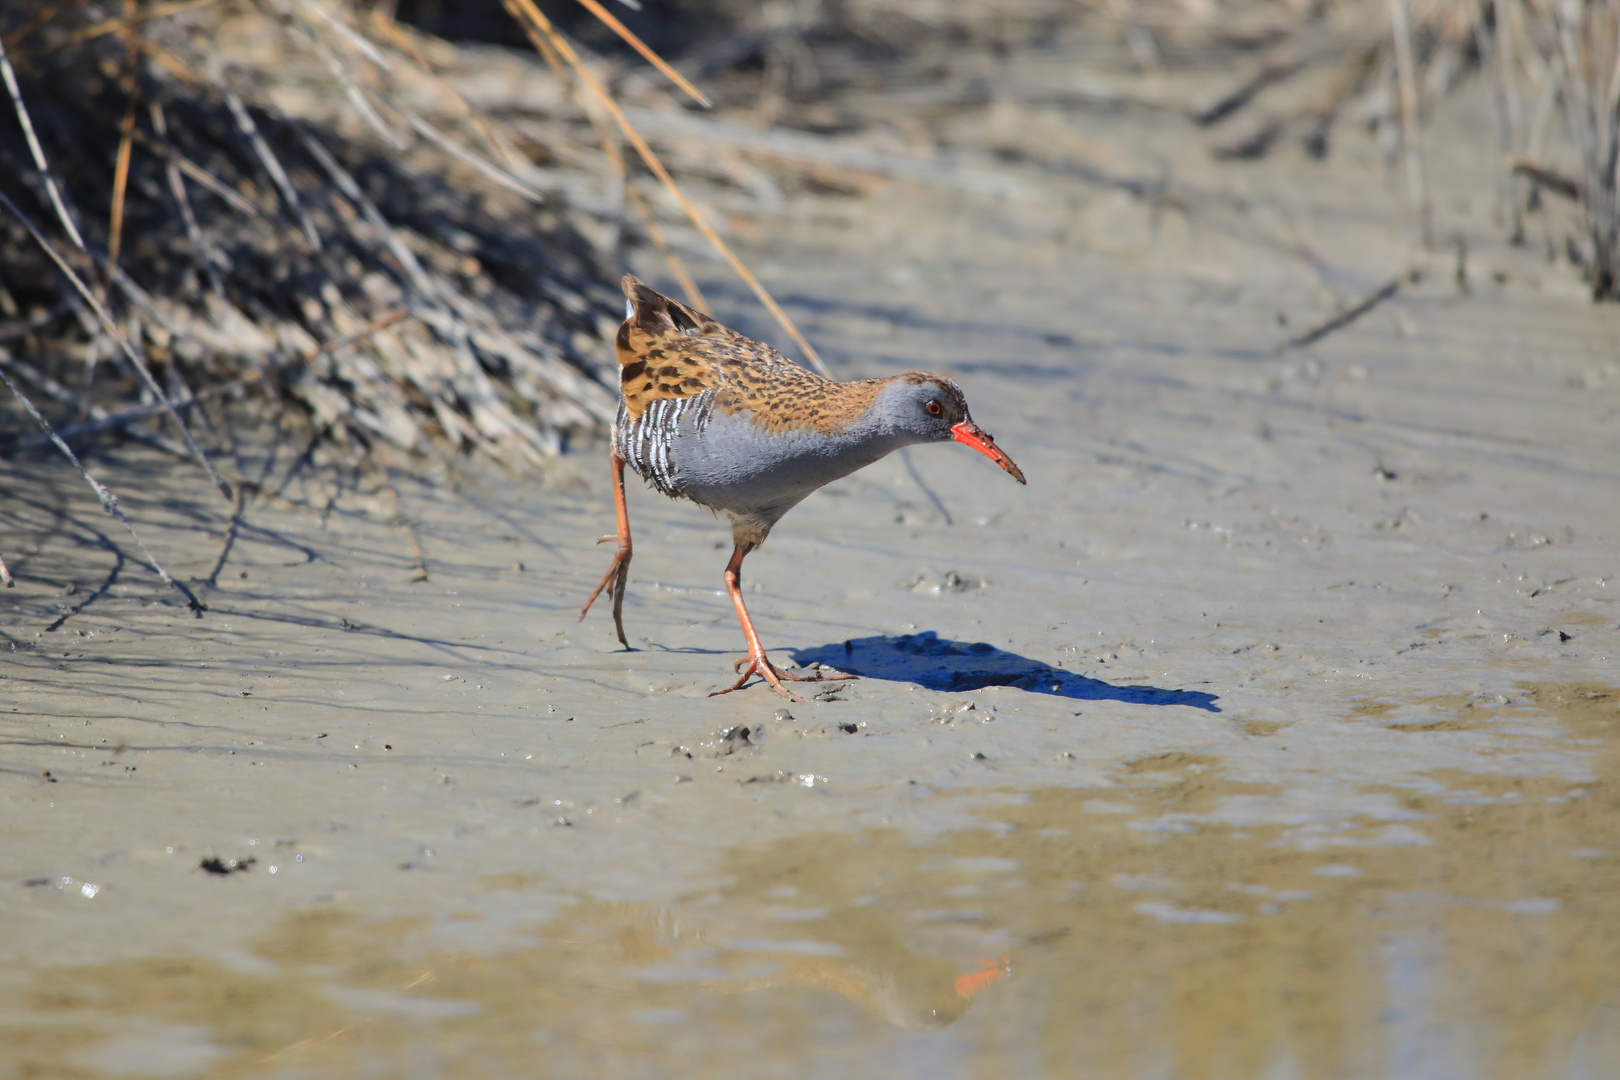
{"x": 758, "y": 663}
{"x": 618, "y": 571}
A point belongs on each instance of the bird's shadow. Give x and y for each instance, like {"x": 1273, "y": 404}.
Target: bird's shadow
{"x": 938, "y": 664}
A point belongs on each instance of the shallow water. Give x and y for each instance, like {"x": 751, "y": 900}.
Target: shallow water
{"x": 1272, "y": 731}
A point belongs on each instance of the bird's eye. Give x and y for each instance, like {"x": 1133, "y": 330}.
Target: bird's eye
{"x": 933, "y": 408}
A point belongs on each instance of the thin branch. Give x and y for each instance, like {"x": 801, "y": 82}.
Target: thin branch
{"x": 207, "y": 254}
{"x": 358, "y": 43}
{"x": 408, "y": 527}
{"x": 403, "y": 42}
{"x": 564, "y": 49}
{"x": 1548, "y": 178}
{"x": 105, "y": 421}
{"x": 18, "y": 327}
{"x": 1310, "y": 337}
{"x": 1406, "y": 76}
{"x": 647, "y": 54}
{"x": 126, "y": 132}
{"x": 202, "y": 176}
{"x": 33, "y": 145}
{"x": 488, "y": 168}
{"x": 129, "y": 22}
{"x": 32, "y": 26}
{"x": 109, "y": 501}
{"x": 655, "y": 232}
{"x": 340, "y": 72}
{"x": 136, "y": 415}
{"x": 230, "y": 536}
{"x": 278, "y": 175}
{"x": 123, "y": 342}
{"x": 84, "y": 407}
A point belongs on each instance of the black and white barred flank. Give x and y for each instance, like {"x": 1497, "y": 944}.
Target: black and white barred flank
{"x": 645, "y": 442}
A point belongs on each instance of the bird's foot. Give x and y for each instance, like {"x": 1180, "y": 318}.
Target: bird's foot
{"x": 618, "y": 572}
{"x": 761, "y": 665}
{"x": 819, "y": 675}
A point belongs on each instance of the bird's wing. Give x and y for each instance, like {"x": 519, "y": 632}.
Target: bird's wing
{"x": 668, "y": 350}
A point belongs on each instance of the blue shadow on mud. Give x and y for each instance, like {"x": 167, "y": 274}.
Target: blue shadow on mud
{"x": 953, "y": 666}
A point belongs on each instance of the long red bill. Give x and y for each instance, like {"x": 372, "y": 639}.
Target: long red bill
{"x": 970, "y": 434}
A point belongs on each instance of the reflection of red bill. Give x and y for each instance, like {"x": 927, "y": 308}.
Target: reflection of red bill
{"x": 970, "y": 434}
{"x": 994, "y": 971}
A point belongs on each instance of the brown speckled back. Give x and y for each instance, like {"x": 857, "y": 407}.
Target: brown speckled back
{"x": 668, "y": 350}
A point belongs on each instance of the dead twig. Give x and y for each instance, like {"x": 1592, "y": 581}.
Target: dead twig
{"x": 123, "y": 342}
{"x": 207, "y": 254}
{"x": 108, "y": 421}
{"x": 1386, "y": 291}
{"x": 267, "y": 158}
{"x": 1411, "y": 134}
{"x": 230, "y": 536}
{"x": 1549, "y": 179}
{"x": 109, "y": 501}
{"x": 34, "y": 148}
{"x": 407, "y": 526}
{"x": 1271, "y": 71}
{"x": 527, "y": 10}
{"x": 126, "y": 142}
{"x": 646, "y": 53}
{"x": 39, "y": 319}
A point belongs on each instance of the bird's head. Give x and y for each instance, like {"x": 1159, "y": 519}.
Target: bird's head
{"x": 931, "y": 408}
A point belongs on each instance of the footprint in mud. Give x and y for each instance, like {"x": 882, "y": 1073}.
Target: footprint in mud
{"x": 936, "y": 663}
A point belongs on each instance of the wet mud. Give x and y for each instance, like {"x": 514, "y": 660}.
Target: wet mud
{"x": 1272, "y": 730}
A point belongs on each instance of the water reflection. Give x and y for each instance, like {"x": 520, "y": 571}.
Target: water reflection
{"x": 1126, "y": 932}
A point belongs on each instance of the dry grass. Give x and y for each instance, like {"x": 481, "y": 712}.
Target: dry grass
{"x": 409, "y": 246}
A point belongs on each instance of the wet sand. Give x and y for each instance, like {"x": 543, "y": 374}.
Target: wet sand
{"x": 1272, "y": 730}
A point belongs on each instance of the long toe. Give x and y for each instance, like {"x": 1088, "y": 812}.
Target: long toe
{"x": 819, "y": 675}
{"x": 762, "y": 667}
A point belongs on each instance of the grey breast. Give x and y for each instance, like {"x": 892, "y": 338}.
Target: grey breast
{"x": 685, "y": 447}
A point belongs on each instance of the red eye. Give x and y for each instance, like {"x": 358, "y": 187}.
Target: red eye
{"x": 933, "y": 408}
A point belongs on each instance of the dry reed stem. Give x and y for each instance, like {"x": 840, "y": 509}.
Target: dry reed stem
{"x": 407, "y": 526}
{"x": 1386, "y": 291}
{"x": 109, "y": 501}
{"x": 232, "y": 197}
{"x": 128, "y": 22}
{"x": 655, "y": 232}
{"x": 126, "y": 131}
{"x": 105, "y": 421}
{"x": 403, "y": 42}
{"x": 560, "y": 44}
{"x": 491, "y": 170}
{"x": 31, "y": 27}
{"x": 1411, "y": 133}
{"x": 206, "y": 252}
{"x": 610, "y": 149}
{"x": 351, "y": 86}
{"x": 123, "y": 342}
{"x": 34, "y": 148}
{"x": 647, "y": 54}
{"x": 267, "y": 158}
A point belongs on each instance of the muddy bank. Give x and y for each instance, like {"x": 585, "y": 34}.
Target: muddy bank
{"x": 1271, "y": 728}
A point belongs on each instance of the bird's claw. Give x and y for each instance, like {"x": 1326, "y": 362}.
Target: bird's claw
{"x": 613, "y": 582}
{"x": 761, "y": 666}
{"x": 774, "y": 675}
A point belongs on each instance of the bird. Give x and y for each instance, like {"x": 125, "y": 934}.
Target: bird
{"x": 708, "y": 415}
